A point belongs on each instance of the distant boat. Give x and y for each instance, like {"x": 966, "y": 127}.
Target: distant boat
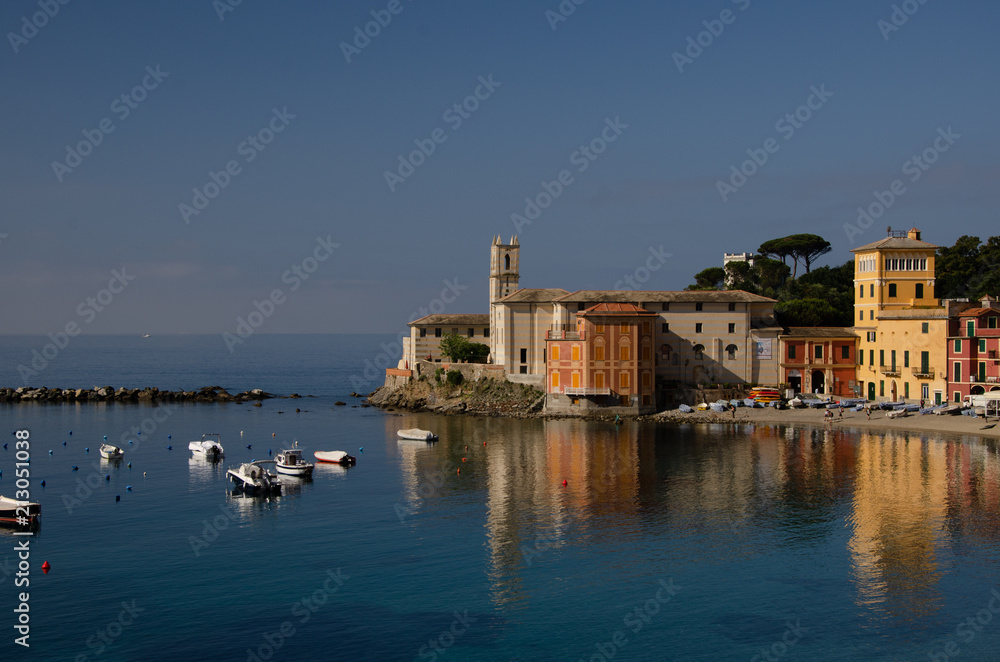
{"x": 335, "y": 457}
{"x": 19, "y": 513}
{"x": 145, "y": 335}
{"x": 210, "y": 449}
{"x": 416, "y": 434}
{"x": 111, "y": 452}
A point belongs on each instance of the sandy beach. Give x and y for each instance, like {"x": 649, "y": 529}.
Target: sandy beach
{"x": 914, "y": 423}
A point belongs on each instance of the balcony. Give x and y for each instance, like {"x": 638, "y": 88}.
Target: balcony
{"x": 560, "y": 334}
{"x": 923, "y": 371}
{"x": 586, "y": 390}
{"x": 890, "y": 370}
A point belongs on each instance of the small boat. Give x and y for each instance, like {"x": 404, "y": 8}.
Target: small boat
{"x": 684, "y": 409}
{"x": 111, "y": 452}
{"x": 796, "y": 403}
{"x": 19, "y": 513}
{"x": 890, "y": 405}
{"x": 145, "y": 335}
{"x": 950, "y": 410}
{"x": 736, "y": 403}
{"x": 210, "y": 449}
{"x": 335, "y": 457}
{"x": 897, "y": 413}
{"x": 416, "y": 434}
{"x": 718, "y": 407}
{"x": 252, "y": 477}
{"x": 751, "y": 403}
{"x": 290, "y": 462}
{"x": 703, "y": 406}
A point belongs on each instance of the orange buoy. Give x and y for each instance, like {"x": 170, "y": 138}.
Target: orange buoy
{"x": 458, "y": 471}
{"x": 463, "y": 459}
{"x": 484, "y": 443}
{"x": 564, "y": 482}
{"x": 45, "y": 567}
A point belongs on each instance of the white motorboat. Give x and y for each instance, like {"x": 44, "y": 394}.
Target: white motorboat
{"x": 252, "y": 477}
{"x": 111, "y": 452}
{"x": 19, "y": 513}
{"x": 210, "y": 449}
{"x": 416, "y": 434}
{"x": 335, "y": 457}
{"x": 290, "y": 462}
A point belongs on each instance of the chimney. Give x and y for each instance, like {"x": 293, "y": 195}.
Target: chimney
{"x": 913, "y": 234}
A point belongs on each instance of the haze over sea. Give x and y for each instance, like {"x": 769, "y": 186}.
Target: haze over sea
{"x": 679, "y": 543}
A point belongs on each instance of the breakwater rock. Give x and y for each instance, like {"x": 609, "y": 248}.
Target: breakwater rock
{"x": 483, "y": 397}
{"x": 122, "y": 394}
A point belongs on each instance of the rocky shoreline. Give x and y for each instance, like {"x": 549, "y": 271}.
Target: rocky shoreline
{"x": 122, "y": 394}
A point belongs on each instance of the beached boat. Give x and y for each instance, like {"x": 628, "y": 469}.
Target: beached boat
{"x": 897, "y": 413}
{"x": 111, "y": 452}
{"x": 890, "y": 405}
{"x": 796, "y": 403}
{"x": 684, "y": 409}
{"x": 252, "y": 477}
{"x": 210, "y": 449}
{"x": 19, "y": 513}
{"x": 416, "y": 434}
{"x": 751, "y": 403}
{"x": 718, "y": 407}
{"x": 290, "y": 462}
{"x": 949, "y": 410}
{"x": 335, "y": 457}
{"x": 736, "y": 403}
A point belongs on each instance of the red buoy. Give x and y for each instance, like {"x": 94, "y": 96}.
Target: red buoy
{"x": 564, "y": 482}
{"x": 463, "y": 459}
{"x": 45, "y": 567}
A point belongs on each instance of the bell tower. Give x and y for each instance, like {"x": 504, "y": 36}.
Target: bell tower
{"x": 504, "y": 274}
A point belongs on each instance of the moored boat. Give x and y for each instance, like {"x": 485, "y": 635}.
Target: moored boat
{"x": 684, "y": 409}
{"x": 335, "y": 457}
{"x": 210, "y": 449}
{"x": 19, "y": 513}
{"x": 290, "y": 462}
{"x": 111, "y": 452}
{"x": 252, "y": 477}
{"x": 416, "y": 434}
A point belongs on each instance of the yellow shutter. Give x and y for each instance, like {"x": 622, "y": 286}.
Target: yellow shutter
{"x": 575, "y": 352}
{"x": 599, "y": 353}
{"x": 555, "y": 380}
{"x": 576, "y": 380}
{"x": 599, "y": 380}
{"x": 555, "y": 352}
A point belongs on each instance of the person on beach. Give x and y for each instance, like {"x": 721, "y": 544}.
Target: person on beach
{"x": 868, "y": 412}
{"x": 732, "y": 408}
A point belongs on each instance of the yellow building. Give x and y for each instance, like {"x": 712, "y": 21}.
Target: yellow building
{"x": 902, "y": 326}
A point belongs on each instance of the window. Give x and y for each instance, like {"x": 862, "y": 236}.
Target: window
{"x": 881, "y": 388}
{"x": 819, "y": 351}
{"x": 871, "y": 314}
{"x": 732, "y": 307}
{"x": 861, "y": 358}
{"x": 625, "y": 327}
{"x": 555, "y": 354}
{"x": 580, "y": 306}
{"x": 925, "y": 364}
{"x": 861, "y": 291}
{"x": 454, "y": 332}
{"x": 861, "y": 315}
{"x": 647, "y": 400}
{"x": 698, "y": 306}
{"x": 472, "y": 333}
{"x": 645, "y": 328}
{"x": 958, "y": 372}
{"x": 699, "y": 352}
{"x": 970, "y": 328}
{"x": 506, "y": 262}
{"x": 731, "y": 352}
{"x": 437, "y": 332}
{"x": 423, "y": 333}
{"x": 646, "y": 382}
{"x": 992, "y": 322}
{"x": 623, "y": 353}
{"x": 523, "y": 370}
{"x": 575, "y": 353}
{"x": 918, "y": 291}
{"x": 575, "y": 380}
{"x": 486, "y": 333}
{"x": 665, "y": 327}
{"x": 871, "y": 290}
{"x": 958, "y": 396}
{"x": 892, "y": 290}
{"x": 647, "y": 353}
{"x": 555, "y": 380}
{"x": 871, "y": 357}
{"x": 906, "y": 359}
{"x": 906, "y": 390}
{"x": 732, "y": 327}
{"x": 623, "y": 380}
{"x": 982, "y": 344}
{"x": 924, "y": 327}
{"x": 599, "y": 353}
{"x": 697, "y": 327}
{"x": 881, "y": 357}
{"x": 599, "y": 328}
{"x": 665, "y": 307}
{"x": 958, "y": 345}
{"x": 524, "y": 353}
{"x": 845, "y": 351}
{"x": 599, "y": 380}
{"x": 791, "y": 351}
{"x": 892, "y": 359}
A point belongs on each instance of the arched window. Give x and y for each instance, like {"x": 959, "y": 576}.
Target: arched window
{"x": 731, "y": 351}
{"x": 506, "y": 262}
{"x": 699, "y": 352}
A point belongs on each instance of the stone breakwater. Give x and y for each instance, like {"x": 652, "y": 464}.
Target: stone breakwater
{"x": 122, "y": 394}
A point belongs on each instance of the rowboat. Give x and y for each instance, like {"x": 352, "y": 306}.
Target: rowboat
{"x": 111, "y": 452}
{"x": 335, "y": 457}
{"x": 416, "y": 434}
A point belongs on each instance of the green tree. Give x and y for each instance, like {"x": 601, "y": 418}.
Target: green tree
{"x": 711, "y": 278}
{"x": 459, "y": 349}
{"x": 807, "y": 312}
{"x": 957, "y": 268}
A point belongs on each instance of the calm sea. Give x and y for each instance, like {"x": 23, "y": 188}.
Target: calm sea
{"x": 716, "y": 542}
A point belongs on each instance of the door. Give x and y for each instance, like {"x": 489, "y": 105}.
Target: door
{"x": 871, "y": 390}
{"x": 892, "y": 390}
{"x": 818, "y": 385}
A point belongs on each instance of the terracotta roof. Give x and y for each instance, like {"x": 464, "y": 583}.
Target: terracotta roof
{"x": 820, "y": 332}
{"x": 534, "y": 295}
{"x": 616, "y": 309}
{"x": 663, "y": 296}
{"x": 976, "y": 312}
{"x": 454, "y": 320}
{"x": 895, "y": 243}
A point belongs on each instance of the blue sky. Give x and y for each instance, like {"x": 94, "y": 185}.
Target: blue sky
{"x": 344, "y": 124}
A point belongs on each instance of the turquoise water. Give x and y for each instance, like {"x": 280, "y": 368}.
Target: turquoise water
{"x": 810, "y": 544}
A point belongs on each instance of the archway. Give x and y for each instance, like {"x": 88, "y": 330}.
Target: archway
{"x": 795, "y": 380}
{"x": 818, "y": 383}
{"x": 977, "y": 390}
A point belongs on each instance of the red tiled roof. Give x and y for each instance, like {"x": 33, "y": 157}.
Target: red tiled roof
{"x": 616, "y": 309}
{"x": 976, "y": 312}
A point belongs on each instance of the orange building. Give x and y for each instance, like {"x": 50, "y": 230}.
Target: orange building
{"x": 820, "y": 360}
{"x": 606, "y": 362}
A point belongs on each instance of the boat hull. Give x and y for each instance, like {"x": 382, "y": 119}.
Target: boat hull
{"x": 334, "y": 457}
